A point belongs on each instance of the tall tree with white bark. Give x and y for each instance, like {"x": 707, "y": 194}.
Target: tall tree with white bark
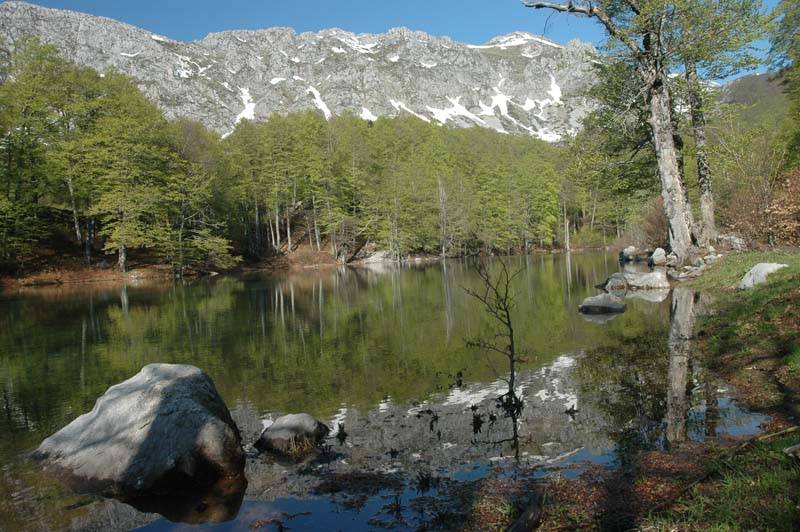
{"x": 641, "y": 30}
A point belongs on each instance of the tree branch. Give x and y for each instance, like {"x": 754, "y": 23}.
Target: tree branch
{"x": 593, "y": 12}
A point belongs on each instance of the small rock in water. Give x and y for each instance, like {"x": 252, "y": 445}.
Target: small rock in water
{"x": 602, "y": 304}
{"x": 628, "y": 254}
{"x": 758, "y": 274}
{"x": 615, "y": 283}
{"x": 672, "y": 260}
{"x": 293, "y": 435}
{"x": 659, "y": 257}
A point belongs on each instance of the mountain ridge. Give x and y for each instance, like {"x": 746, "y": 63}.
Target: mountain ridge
{"x": 514, "y": 83}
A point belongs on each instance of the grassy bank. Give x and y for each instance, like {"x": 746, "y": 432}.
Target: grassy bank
{"x": 756, "y": 489}
{"x": 753, "y": 339}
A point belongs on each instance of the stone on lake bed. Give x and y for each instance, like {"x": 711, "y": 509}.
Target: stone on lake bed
{"x": 164, "y": 428}
{"x": 292, "y": 434}
{"x": 758, "y": 274}
{"x": 602, "y": 304}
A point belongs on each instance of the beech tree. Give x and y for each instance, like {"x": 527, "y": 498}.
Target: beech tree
{"x": 714, "y": 39}
{"x": 785, "y": 55}
{"x": 640, "y": 29}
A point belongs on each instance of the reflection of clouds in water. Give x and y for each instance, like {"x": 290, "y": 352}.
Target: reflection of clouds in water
{"x": 340, "y": 416}
{"x": 475, "y": 394}
{"x": 384, "y": 405}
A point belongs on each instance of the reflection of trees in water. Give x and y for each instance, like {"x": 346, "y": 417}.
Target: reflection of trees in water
{"x": 644, "y": 384}
{"x": 682, "y": 318}
{"x": 304, "y": 341}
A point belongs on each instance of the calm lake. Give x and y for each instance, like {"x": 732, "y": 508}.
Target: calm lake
{"x": 381, "y": 351}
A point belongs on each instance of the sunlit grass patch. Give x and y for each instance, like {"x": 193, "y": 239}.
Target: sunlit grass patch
{"x": 728, "y": 272}
{"x": 757, "y": 489}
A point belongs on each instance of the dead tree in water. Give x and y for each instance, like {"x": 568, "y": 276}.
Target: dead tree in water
{"x": 497, "y": 298}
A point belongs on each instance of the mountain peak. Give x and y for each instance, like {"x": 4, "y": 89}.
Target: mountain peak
{"x": 515, "y": 83}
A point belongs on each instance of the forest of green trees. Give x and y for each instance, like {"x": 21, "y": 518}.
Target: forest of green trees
{"x": 90, "y": 167}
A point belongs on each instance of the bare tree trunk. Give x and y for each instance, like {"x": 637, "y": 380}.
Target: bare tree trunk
{"x": 277, "y": 230}
{"x": 443, "y": 216}
{"x": 288, "y": 233}
{"x": 122, "y": 258}
{"x": 316, "y": 225}
{"x": 87, "y": 250}
{"x": 309, "y": 231}
{"x": 257, "y": 235}
{"x": 708, "y": 230}
{"x": 74, "y": 210}
{"x": 672, "y": 190}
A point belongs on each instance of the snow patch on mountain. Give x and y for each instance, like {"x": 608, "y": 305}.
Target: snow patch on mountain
{"x": 555, "y": 90}
{"x": 455, "y": 110}
{"x": 400, "y": 106}
{"x": 319, "y": 103}
{"x": 366, "y": 114}
{"x": 249, "y": 111}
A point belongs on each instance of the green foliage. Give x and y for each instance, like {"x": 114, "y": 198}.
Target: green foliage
{"x": 72, "y": 140}
{"x": 785, "y": 52}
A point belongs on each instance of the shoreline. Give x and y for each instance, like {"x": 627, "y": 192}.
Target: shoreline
{"x": 74, "y": 271}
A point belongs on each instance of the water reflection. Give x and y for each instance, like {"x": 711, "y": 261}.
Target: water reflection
{"x": 377, "y": 350}
{"x": 217, "y": 504}
{"x": 682, "y": 319}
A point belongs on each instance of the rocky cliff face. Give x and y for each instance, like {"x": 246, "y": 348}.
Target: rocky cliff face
{"x": 516, "y": 83}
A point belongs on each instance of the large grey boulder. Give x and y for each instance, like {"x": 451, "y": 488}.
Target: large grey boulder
{"x": 655, "y": 280}
{"x": 602, "y": 304}
{"x": 165, "y": 427}
{"x": 292, "y": 434}
{"x": 651, "y": 296}
{"x": 659, "y": 257}
{"x": 758, "y": 274}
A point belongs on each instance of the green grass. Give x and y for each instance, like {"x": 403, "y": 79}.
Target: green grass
{"x": 728, "y": 272}
{"x": 757, "y": 489}
{"x": 793, "y": 359}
